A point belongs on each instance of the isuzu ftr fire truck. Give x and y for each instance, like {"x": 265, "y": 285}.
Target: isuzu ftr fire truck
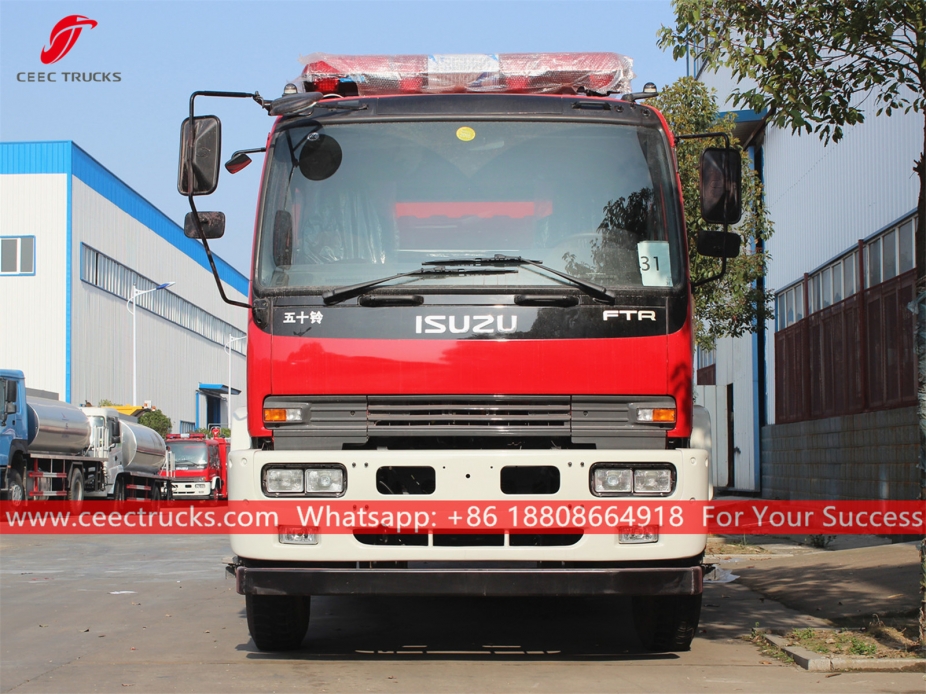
{"x": 470, "y": 286}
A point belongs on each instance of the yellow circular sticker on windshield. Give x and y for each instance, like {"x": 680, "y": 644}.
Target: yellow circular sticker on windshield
{"x": 466, "y": 133}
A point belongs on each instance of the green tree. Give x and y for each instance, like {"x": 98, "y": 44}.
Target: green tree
{"x": 815, "y": 64}
{"x": 106, "y": 403}
{"x": 157, "y": 420}
{"x": 731, "y": 306}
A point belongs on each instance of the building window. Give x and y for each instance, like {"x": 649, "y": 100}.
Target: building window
{"x": 17, "y": 255}
{"x": 105, "y": 273}
{"x": 187, "y": 427}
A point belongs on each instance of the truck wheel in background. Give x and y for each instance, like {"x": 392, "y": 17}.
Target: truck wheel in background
{"x": 119, "y": 489}
{"x": 76, "y": 485}
{"x": 277, "y": 622}
{"x": 666, "y": 622}
{"x": 16, "y": 492}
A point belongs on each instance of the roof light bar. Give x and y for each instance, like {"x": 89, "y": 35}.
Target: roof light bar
{"x": 526, "y": 73}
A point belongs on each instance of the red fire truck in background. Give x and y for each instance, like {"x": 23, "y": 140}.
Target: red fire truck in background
{"x": 198, "y": 464}
{"x": 470, "y": 283}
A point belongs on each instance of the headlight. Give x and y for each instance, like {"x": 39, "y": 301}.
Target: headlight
{"x": 624, "y": 479}
{"x": 652, "y": 481}
{"x": 324, "y": 480}
{"x": 284, "y": 480}
{"x": 613, "y": 481}
{"x": 306, "y": 479}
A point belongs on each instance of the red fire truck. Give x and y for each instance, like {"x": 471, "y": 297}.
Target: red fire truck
{"x": 198, "y": 465}
{"x": 470, "y": 285}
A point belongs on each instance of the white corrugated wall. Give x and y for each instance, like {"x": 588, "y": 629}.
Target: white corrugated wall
{"x": 824, "y": 199}
{"x": 34, "y": 308}
{"x": 171, "y": 360}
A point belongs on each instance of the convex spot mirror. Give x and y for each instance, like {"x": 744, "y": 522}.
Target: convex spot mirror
{"x": 238, "y": 161}
{"x": 212, "y": 223}
{"x": 204, "y": 157}
{"x": 721, "y": 183}
{"x": 320, "y": 157}
{"x": 718, "y": 244}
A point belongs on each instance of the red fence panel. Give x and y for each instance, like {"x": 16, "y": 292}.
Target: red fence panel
{"x": 854, "y": 356}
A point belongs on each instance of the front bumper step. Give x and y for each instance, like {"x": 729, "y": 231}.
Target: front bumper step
{"x": 485, "y": 582}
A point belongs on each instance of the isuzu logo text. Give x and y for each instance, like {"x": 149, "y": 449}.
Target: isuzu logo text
{"x": 483, "y": 325}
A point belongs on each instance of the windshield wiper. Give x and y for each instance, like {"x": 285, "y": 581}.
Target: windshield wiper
{"x": 595, "y": 290}
{"x": 333, "y": 296}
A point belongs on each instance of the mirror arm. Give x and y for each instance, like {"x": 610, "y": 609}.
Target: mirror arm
{"x": 713, "y": 278}
{"x": 215, "y": 272}
{"x": 189, "y": 163}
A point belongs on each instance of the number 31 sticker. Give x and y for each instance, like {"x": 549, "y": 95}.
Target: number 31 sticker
{"x": 655, "y": 269}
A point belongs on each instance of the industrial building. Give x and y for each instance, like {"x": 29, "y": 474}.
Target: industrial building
{"x": 76, "y": 246}
{"x": 822, "y": 404}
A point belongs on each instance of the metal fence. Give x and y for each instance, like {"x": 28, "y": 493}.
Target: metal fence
{"x": 854, "y": 356}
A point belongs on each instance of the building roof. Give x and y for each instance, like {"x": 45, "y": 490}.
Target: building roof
{"x": 68, "y": 158}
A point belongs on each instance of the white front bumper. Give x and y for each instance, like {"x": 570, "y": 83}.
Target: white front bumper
{"x": 471, "y": 475}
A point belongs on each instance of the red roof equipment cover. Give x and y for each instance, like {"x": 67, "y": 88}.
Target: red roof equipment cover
{"x": 531, "y": 73}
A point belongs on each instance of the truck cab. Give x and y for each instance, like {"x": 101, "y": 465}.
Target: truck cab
{"x": 14, "y": 439}
{"x": 198, "y": 465}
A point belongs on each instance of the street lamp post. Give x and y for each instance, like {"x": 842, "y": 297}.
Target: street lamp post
{"x": 130, "y": 306}
{"x": 228, "y": 348}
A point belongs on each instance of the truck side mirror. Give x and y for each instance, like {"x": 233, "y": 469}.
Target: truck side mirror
{"x": 721, "y": 184}
{"x": 212, "y": 223}
{"x": 719, "y": 244}
{"x": 199, "y": 167}
{"x": 10, "y": 408}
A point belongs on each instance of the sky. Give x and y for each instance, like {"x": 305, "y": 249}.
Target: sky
{"x": 164, "y": 50}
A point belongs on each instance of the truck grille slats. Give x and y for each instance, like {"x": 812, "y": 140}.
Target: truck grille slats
{"x": 493, "y": 414}
{"x": 604, "y": 421}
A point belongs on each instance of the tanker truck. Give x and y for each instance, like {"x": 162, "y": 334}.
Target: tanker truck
{"x": 134, "y": 455}
{"x": 55, "y": 450}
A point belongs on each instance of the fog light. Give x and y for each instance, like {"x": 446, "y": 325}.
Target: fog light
{"x": 284, "y": 480}
{"x": 638, "y": 535}
{"x": 298, "y": 536}
{"x": 613, "y": 481}
{"x": 324, "y": 480}
{"x": 652, "y": 481}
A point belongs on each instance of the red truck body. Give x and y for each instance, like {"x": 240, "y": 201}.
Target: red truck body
{"x": 470, "y": 285}
{"x": 200, "y": 466}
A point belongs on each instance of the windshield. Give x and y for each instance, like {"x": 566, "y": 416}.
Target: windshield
{"x": 189, "y": 456}
{"x": 346, "y": 203}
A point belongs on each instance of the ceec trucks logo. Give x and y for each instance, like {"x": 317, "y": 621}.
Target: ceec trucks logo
{"x": 63, "y": 37}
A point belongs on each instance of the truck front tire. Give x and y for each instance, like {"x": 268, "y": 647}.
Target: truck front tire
{"x": 666, "y": 623}
{"x": 277, "y": 622}
{"x": 16, "y": 492}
